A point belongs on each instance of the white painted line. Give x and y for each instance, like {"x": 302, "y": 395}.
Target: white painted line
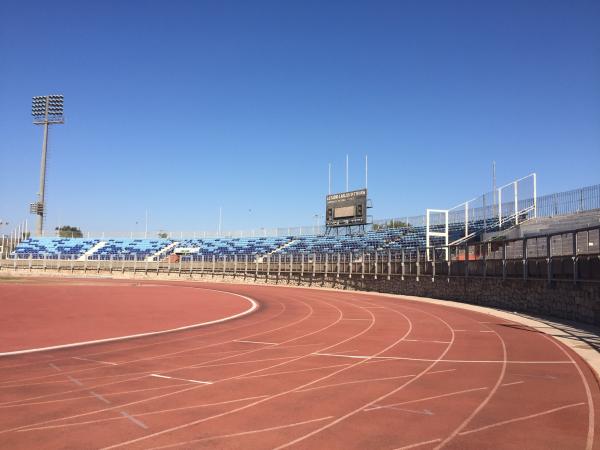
{"x": 54, "y": 367}
{"x": 180, "y": 379}
{"x": 257, "y": 342}
{"x": 75, "y": 380}
{"x": 440, "y": 371}
{"x": 242, "y": 433}
{"x": 253, "y": 307}
{"x": 400, "y": 358}
{"x": 95, "y": 361}
{"x": 511, "y": 384}
{"x": 486, "y": 331}
{"x": 355, "y": 382}
{"x": 110, "y": 419}
{"x": 424, "y": 412}
{"x": 139, "y": 423}
{"x": 426, "y": 341}
{"x": 418, "y": 444}
{"x": 518, "y": 419}
{"x": 450, "y": 394}
{"x": 99, "y": 397}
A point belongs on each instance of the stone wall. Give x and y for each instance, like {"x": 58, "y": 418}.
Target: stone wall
{"x": 567, "y": 300}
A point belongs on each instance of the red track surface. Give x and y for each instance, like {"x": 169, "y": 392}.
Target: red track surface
{"x": 35, "y": 315}
{"x": 310, "y": 369}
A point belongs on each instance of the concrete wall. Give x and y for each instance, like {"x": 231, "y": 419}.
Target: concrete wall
{"x": 568, "y": 300}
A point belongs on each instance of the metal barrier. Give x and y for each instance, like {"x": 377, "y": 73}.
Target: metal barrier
{"x": 567, "y": 256}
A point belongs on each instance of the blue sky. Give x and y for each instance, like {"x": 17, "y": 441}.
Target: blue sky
{"x": 183, "y": 107}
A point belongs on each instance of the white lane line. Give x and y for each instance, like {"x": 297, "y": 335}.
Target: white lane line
{"x": 441, "y": 371}
{"x": 139, "y": 423}
{"x": 400, "y": 358}
{"x": 418, "y": 444}
{"x": 54, "y": 366}
{"x": 511, "y": 384}
{"x": 95, "y": 361}
{"x": 63, "y": 400}
{"x": 486, "y": 331}
{"x": 75, "y": 380}
{"x": 253, "y": 307}
{"x": 257, "y": 342}
{"x": 518, "y": 419}
{"x": 355, "y": 382}
{"x": 294, "y": 371}
{"x": 449, "y": 394}
{"x": 424, "y": 412}
{"x": 150, "y": 413}
{"x": 99, "y": 397}
{"x": 242, "y": 433}
{"x": 180, "y": 379}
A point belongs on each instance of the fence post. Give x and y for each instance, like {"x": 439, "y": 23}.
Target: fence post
{"x": 389, "y": 265}
{"x": 548, "y": 260}
{"x": 575, "y": 259}
{"x": 433, "y": 264}
{"x": 314, "y": 264}
{"x": 234, "y": 265}
{"x": 525, "y": 269}
{"x": 418, "y": 264}
{"x": 402, "y": 267}
{"x": 504, "y": 261}
{"x": 466, "y": 260}
{"x": 302, "y": 266}
{"x": 180, "y": 262}
{"x": 376, "y": 265}
{"x": 191, "y": 265}
{"x": 363, "y": 265}
{"x": 350, "y": 266}
{"x": 326, "y": 261}
{"x": 214, "y": 264}
{"x": 268, "y": 265}
{"x": 279, "y": 267}
{"x": 246, "y": 264}
{"x": 291, "y": 264}
{"x": 338, "y": 266}
{"x": 256, "y": 261}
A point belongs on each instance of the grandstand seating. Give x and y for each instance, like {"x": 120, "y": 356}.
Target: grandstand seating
{"x": 52, "y": 248}
{"x": 234, "y": 246}
{"x": 129, "y": 249}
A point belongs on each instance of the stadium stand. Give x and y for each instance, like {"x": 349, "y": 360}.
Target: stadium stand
{"x": 44, "y": 247}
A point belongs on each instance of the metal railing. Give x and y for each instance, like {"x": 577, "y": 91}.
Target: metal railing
{"x": 567, "y": 256}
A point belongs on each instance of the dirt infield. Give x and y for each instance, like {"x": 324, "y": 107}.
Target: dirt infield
{"x": 309, "y": 369}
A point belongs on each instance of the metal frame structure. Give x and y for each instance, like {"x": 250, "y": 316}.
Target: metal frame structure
{"x": 46, "y": 110}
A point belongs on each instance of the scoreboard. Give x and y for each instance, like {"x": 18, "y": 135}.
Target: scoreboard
{"x": 346, "y": 209}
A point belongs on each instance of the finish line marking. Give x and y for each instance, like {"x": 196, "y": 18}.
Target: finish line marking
{"x": 181, "y": 379}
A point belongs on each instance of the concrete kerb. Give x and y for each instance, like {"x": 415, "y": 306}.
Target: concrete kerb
{"x": 590, "y": 355}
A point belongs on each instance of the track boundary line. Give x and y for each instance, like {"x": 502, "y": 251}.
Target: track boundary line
{"x": 254, "y": 306}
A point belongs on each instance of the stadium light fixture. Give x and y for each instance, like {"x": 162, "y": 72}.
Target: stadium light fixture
{"x": 46, "y": 110}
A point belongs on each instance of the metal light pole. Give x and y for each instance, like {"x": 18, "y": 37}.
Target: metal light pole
{"x": 46, "y": 110}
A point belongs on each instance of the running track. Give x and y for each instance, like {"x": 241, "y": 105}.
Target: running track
{"x": 309, "y": 369}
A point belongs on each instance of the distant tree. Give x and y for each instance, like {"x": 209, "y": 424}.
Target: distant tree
{"x": 393, "y": 223}
{"x": 69, "y": 231}
{"x": 163, "y": 234}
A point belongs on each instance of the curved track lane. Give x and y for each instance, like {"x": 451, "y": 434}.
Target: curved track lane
{"x": 309, "y": 369}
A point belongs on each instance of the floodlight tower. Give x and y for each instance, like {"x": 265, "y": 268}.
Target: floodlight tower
{"x": 46, "y": 110}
